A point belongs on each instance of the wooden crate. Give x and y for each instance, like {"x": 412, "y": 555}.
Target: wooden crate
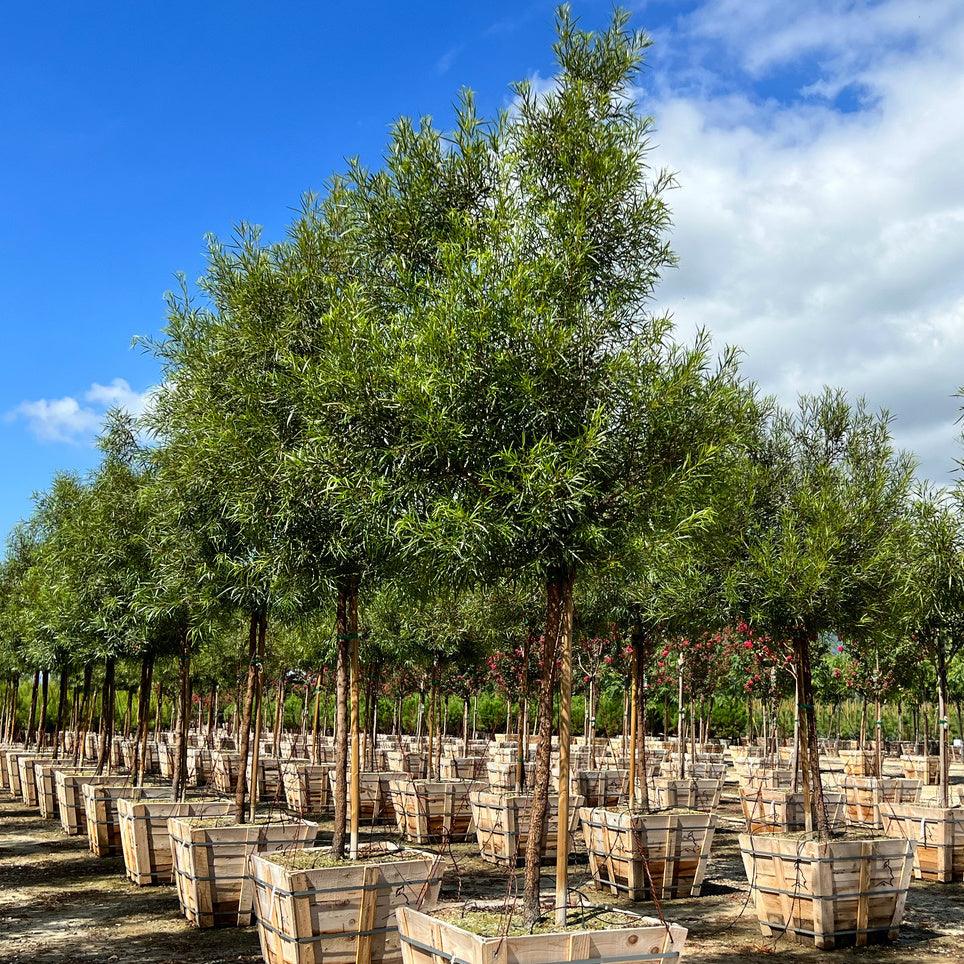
{"x": 145, "y": 841}
{"x": 128, "y": 749}
{"x": 198, "y": 766}
{"x": 28, "y": 778}
{"x": 688, "y": 794}
{"x": 601, "y": 788}
{"x": 463, "y": 768}
{"x": 224, "y": 770}
{"x": 210, "y": 857}
{"x": 770, "y": 811}
{"x": 433, "y": 811}
{"x": 307, "y": 787}
{"x": 829, "y": 893}
{"x": 859, "y": 763}
{"x": 100, "y": 809}
{"x": 927, "y": 769}
{"x": 46, "y": 787}
{"x": 406, "y": 762}
{"x": 429, "y": 940}
{"x": 376, "y": 796}
{"x": 339, "y": 914}
{"x": 502, "y": 825}
{"x": 70, "y": 796}
{"x": 938, "y": 836}
{"x": 770, "y": 778}
{"x": 866, "y": 797}
{"x": 11, "y": 767}
{"x": 634, "y": 854}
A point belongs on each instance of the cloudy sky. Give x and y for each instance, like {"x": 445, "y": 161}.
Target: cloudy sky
{"x": 819, "y": 148}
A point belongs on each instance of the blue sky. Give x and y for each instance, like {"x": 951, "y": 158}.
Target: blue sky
{"x": 819, "y": 219}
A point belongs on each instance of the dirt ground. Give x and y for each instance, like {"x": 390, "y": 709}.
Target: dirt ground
{"x": 59, "y": 904}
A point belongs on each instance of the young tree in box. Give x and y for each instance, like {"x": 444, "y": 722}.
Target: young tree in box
{"x": 825, "y": 549}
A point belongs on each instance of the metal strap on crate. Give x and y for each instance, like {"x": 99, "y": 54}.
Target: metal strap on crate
{"x": 331, "y": 935}
{"x": 378, "y": 885}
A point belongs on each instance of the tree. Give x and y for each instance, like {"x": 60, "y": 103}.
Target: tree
{"x": 539, "y": 396}
{"x": 824, "y": 544}
{"x": 936, "y": 561}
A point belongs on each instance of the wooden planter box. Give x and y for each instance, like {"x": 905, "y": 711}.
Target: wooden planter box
{"x": 636, "y": 854}
{"x": 688, "y": 794}
{"x": 376, "y": 796}
{"x": 406, "y": 762}
{"x": 433, "y": 811}
{"x": 429, "y": 940}
{"x": 70, "y": 796}
{"x": 210, "y": 857}
{"x": 198, "y": 766}
{"x": 43, "y": 771}
{"x": 938, "y": 836}
{"x": 165, "y": 758}
{"x": 145, "y": 841}
{"x": 927, "y": 769}
{"x": 28, "y": 778}
{"x": 770, "y": 778}
{"x": 100, "y": 809}
{"x": 313, "y": 915}
{"x": 502, "y": 825}
{"x": 501, "y": 776}
{"x": 224, "y": 770}
{"x": 601, "y": 788}
{"x": 128, "y": 751}
{"x": 11, "y": 767}
{"x": 859, "y": 763}
{"x": 867, "y": 797}
{"x": 307, "y": 787}
{"x": 464, "y": 768}
{"x": 829, "y": 893}
{"x": 781, "y": 811}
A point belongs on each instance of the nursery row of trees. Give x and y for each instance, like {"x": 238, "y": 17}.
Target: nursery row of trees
{"x": 440, "y": 438}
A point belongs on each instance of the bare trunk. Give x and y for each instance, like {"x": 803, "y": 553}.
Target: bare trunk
{"x": 107, "y": 716}
{"x": 244, "y": 733}
{"x": 640, "y": 656}
{"x": 355, "y": 682}
{"x": 61, "y": 708}
{"x": 814, "y": 806}
{"x": 565, "y": 735}
{"x": 180, "y": 753}
{"x": 557, "y": 587}
{"x": 316, "y": 719}
{"x": 942, "y": 725}
{"x": 143, "y": 718}
{"x": 254, "y": 779}
{"x": 32, "y": 718}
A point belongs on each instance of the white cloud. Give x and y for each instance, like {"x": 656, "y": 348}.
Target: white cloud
{"x": 828, "y": 244}
{"x": 70, "y": 421}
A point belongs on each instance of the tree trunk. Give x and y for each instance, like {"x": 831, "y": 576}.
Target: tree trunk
{"x": 465, "y": 725}
{"x": 244, "y": 733}
{"x": 254, "y": 781}
{"x": 565, "y": 735}
{"x": 316, "y": 719}
{"x": 279, "y": 714}
{"x": 558, "y": 589}
{"x": 44, "y": 696}
{"x": 942, "y": 724}
{"x": 355, "y": 683}
{"x": 61, "y": 707}
{"x": 107, "y": 716}
{"x": 341, "y": 726}
{"x": 81, "y": 731}
{"x": 184, "y": 716}
{"x": 32, "y": 719}
{"x": 143, "y": 717}
{"x": 814, "y": 806}
{"x": 640, "y": 657}
{"x": 680, "y": 724}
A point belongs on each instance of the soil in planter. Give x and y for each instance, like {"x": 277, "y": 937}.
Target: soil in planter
{"x": 506, "y": 923}
{"x": 317, "y": 859}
